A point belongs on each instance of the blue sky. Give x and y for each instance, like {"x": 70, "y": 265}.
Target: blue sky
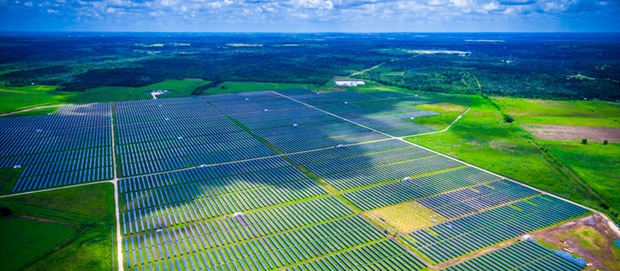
{"x": 312, "y": 15}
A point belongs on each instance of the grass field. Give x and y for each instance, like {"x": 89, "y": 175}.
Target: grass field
{"x": 87, "y": 211}
{"x": 405, "y": 217}
{"x": 8, "y": 178}
{"x": 237, "y": 87}
{"x": 577, "y": 113}
{"x": 447, "y": 114}
{"x": 595, "y": 163}
{"x": 177, "y": 88}
{"x": 13, "y": 99}
{"x": 24, "y": 240}
{"x": 483, "y": 139}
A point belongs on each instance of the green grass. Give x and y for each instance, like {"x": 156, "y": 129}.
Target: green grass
{"x": 50, "y": 109}
{"x": 483, "y": 139}
{"x": 595, "y": 163}
{"x": 177, "y": 88}
{"x": 13, "y": 99}
{"x": 578, "y": 113}
{"x": 18, "y": 98}
{"x": 447, "y": 114}
{"x": 237, "y": 87}
{"x": 87, "y": 210}
{"x": 8, "y": 178}
{"x": 23, "y": 240}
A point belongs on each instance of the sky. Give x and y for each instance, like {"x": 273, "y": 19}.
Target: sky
{"x": 311, "y": 15}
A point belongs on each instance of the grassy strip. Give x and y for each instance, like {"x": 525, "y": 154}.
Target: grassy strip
{"x": 86, "y": 210}
{"x": 18, "y": 98}
{"x": 8, "y": 178}
{"x": 25, "y": 239}
{"x": 36, "y": 111}
{"x": 596, "y": 164}
{"x": 238, "y": 87}
{"x": 447, "y": 114}
{"x": 577, "y": 113}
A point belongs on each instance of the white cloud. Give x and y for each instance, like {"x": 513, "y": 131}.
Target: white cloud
{"x": 491, "y": 6}
{"x": 313, "y": 4}
{"x": 52, "y": 11}
{"x": 461, "y": 3}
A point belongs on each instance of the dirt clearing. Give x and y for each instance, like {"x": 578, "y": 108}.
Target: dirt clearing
{"x": 562, "y": 132}
{"x": 589, "y": 237}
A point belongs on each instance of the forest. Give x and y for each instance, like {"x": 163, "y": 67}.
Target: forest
{"x": 550, "y": 66}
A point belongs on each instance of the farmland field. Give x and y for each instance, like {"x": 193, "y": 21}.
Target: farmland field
{"x": 274, "y": 180}
{"x": 25, "y": 240}
{"x": 66, "y": 229}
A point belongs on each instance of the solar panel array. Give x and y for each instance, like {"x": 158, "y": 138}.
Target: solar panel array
{"x": 526, "y": 255}
{"x": 389, "y": 113}
{"x": 69, "y": 147}
{"x": 228, "y": 182}
{"x": 169, "y": 134}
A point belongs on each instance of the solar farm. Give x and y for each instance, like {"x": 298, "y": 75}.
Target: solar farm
{"x": 283, "y": 181}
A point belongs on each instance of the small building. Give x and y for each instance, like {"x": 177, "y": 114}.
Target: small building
{"x": 353, "y": 83}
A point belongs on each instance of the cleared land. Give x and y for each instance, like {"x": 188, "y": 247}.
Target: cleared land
{"x": 574, "y": 133}
{"x": 24, "y": 240}
{"x": 68, "y": 229}
{"x": 590, "y": 238}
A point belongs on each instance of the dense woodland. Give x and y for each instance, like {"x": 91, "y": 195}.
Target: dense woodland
{"x": 567, "y": 66}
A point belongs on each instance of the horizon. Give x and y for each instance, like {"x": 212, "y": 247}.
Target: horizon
{"x": 312, "y": 16}
{"x": 306, "y": 32}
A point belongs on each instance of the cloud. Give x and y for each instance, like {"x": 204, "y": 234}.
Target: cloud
{"x": 313, "y": 4}
{"x": 389, "y": 15}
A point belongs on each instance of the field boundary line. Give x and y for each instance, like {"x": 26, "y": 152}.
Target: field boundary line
{"x": 30, "y": 109}
{"x": 54, "y": 188}
{"x": 114, "y": 181}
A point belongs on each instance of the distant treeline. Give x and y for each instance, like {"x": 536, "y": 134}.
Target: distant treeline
{"x": 567, "y": 66}
{"x": 200, "y": 89}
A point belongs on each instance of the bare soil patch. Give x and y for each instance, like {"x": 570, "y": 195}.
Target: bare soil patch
{"x": 562, "y": 132}
{"x": 589, "y": 237}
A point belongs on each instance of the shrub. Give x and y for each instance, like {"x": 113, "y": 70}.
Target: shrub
{"x": 5, "y": 211}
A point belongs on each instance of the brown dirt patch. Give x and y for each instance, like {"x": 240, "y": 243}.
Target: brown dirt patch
{"x": 589, "y": 237}
{"x": 562, "y": 132}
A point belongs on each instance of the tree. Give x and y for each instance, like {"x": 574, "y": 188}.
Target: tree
{"x": 508, "y": 119}
{"x": 605, "y": 142}
{"x": 5, "y": 211}
{"x": 584, "y": 141}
